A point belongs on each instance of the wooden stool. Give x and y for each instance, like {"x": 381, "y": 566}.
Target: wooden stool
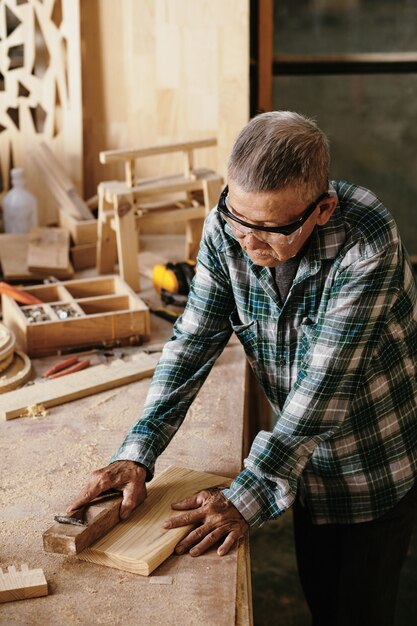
{"x": 125, "y": 206}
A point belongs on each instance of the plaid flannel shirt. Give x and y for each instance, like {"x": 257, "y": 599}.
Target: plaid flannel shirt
{"x": 337, "y": 361}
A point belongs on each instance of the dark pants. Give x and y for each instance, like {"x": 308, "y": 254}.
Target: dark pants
{"x": 350, "y": 572}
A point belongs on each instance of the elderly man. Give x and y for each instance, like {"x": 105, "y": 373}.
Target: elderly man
{"x": 313, "y": 279}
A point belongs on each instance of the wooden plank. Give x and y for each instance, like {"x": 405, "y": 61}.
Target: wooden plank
{"x": 127, "y": 240}
{"x": 106, "y": 255}
{"x": 74, "y": 386}
{"x": 110, "y": 156}
{"x": 48, "y": 250}
{"x": 13, "y": 258}
{"x": 21, "y": 585}
{"x": 70, "y": 539}
{"x": 61, "y": 185}
{"x": 139, "y": 544}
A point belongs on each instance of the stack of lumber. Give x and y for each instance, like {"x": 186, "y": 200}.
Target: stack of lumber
{"x": 15, "y": 366}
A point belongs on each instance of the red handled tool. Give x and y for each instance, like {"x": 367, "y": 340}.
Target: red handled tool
{"x": 18, "y": 294}
{"x": 69, "y": 366}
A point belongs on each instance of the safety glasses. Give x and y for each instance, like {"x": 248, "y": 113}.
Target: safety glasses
{"x": 275, "y": 235}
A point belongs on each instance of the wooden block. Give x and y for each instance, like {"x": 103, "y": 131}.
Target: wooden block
{"x": 82, "y": 231}
{"x": 48, "y": 250}
{"x": 83, "y": 256}
{"x": 21, "y": 585}
{"x": 140, "y": 544}
{"x": 74, "y": 386}
{"x": 13, "y": 257}
{"x": 70, "y": 540}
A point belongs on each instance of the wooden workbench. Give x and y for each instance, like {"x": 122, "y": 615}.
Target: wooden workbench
{"x": 44, "y": 461}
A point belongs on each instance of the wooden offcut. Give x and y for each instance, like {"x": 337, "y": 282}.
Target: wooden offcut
{"x": 48, "y": 251}
{"x": 140, "y": 544}
{"x": 71, "y": 539}
{"x": 93, "y": 380}
{"x": 14, "y": 261}
{"x": 23, "y": 584}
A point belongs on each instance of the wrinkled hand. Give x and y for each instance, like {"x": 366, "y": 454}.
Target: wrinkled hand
{"x": 127, "y": 476}
{"x": 218, "y": 519}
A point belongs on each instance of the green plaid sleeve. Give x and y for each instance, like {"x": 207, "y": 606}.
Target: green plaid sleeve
{"x": 200, "y": 335}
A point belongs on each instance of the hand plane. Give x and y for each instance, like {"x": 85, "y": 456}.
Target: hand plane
{"x": 73, "y": 533}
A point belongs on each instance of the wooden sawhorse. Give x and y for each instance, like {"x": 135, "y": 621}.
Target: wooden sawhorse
{"x": 125, "y": 206}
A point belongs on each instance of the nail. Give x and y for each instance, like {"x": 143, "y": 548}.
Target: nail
{"x": 194, "y": 552}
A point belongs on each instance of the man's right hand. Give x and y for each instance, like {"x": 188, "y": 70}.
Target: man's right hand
{"x": 126, "y": 476}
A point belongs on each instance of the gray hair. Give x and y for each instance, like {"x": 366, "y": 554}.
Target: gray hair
{"x": 278, "y": 149}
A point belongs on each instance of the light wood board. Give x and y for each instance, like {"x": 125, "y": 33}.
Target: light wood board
{"x": 48, "y": 250}
{"x": 193, "y": 58}
{"x": 75, "y": 386}
{"x": 13, "y": 258}
{"x": 140, "y": 544}
{"x": 21, "y": 585}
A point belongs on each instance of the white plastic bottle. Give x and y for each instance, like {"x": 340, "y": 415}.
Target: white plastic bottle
{"x": 20, "y": 207}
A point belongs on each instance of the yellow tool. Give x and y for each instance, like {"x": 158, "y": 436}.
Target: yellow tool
{"x": 172, "y": 281}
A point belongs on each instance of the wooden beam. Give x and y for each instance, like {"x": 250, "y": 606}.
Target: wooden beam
{"x": 111, "y": 156}
{"x": 127, "y": 240}
{"x": 140, "y": 544}
{"x": 74, "y": 386}
{"x": 21, "y": 585}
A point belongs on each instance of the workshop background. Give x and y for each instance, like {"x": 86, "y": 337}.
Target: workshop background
{"x": 116, "y": 74}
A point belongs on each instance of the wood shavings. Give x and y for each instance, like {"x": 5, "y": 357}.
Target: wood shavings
{"x": 37, "y": 410}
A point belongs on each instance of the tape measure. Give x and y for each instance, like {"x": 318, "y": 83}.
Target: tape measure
{"x": 173, "y": 278}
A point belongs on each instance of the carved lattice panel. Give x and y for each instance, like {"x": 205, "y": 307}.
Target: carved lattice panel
{"x": 40, "y": 90}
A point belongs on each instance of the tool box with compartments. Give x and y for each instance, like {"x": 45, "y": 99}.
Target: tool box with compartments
{"x": 77, "y": 313}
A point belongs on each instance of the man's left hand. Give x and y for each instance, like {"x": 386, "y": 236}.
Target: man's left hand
{"x": 218, "y": 519}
